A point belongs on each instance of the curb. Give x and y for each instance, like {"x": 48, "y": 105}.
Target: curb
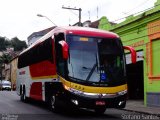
{"x": 142, "y": 112}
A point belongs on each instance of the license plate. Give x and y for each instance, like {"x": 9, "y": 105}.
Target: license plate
{"x": 100, "y": 103}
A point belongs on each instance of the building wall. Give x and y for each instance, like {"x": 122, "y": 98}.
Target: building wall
{"x": 37, "y": 35}
{"x": 34, "y": 39}
{"x": 153, "y": 52}
{"x": 13, "y": 65}
{"x": 143, "y": 33}
{"x": 7, "y": 72}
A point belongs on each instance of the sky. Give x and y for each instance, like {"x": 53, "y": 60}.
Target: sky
{"x": 19, "y": 17}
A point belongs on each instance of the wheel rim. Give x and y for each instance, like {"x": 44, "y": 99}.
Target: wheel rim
{"x": 53, "y": 102}
{"x": 24, "y": 97}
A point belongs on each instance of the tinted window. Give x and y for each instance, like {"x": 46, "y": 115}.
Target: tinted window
{"x": 40, "y": 52}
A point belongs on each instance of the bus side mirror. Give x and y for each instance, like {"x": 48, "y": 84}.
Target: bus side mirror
{"x": 133, "y": 53}
{"x": 64, "y": 49}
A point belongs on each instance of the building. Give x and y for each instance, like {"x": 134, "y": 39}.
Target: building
{"x": 13, "y": 72}
{"x": 36, "y": 35}
{"x": 143, "y": 33}
{"x": 88, "y": 23}
{"x": 7, "y": 73}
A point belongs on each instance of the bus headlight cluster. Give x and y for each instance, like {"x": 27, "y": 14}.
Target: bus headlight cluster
{"x": 121, "y": 102}
{"x": 99, "y": 95}
{"x": 122, "y": 92}
{"x": 75, "y": 102}
{"x": 72, "y": 90}
{"x": 95, "y": 95}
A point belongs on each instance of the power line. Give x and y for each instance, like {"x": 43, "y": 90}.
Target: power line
{"x": 97, "y": 12}
{"x": 80, "y": 10}
{"x": 136, "y": 31}
{"x": 89, "y": 14}
{"x": 134, "y": 13}
{"x": 73, "y": 13}
{"x": 137, "y": 6}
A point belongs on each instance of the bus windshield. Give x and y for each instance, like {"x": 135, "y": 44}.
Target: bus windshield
{"x": 95, "y": 61}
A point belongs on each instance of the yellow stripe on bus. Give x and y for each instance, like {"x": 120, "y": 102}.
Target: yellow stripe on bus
{"x": 44, "y": 77}
{"x": 92, "y": 89}
{"x": 65, "y": 82}
{"x": 84, "y": 88}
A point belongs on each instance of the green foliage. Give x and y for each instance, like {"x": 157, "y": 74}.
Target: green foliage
{"x": 104, "y": 24}
{"x": 17, "y": 44}
{"x": 2, "y": 43}
{"x": 5, "y": 58}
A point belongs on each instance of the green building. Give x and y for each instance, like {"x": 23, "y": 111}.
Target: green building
{"x": 143, "y": 33}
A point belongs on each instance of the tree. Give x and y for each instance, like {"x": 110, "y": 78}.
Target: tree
{"x": 4, "y": 59}
{"x": 1, "y": 65}
{"x": 2, "y": 44}
{"x": 17, "y": 44}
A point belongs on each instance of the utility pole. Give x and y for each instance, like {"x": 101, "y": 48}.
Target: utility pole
{"x": 80, "y": 10}
{"x": 97, "y": 12}
{"x": 89, "y": 14}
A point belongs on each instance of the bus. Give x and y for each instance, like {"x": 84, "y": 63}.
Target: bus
{"x": 78, "y": 66}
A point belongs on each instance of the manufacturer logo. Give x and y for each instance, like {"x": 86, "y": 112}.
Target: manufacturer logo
{"x": 100, "y": 95}
{"x": 22, "y": 72}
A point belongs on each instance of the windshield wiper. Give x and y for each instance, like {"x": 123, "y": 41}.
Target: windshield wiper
{"x": 97, "y": 62}
{"x": 76, "y": 79}
{"x": 85, "y": 67}
{"x": 91, "y": 72}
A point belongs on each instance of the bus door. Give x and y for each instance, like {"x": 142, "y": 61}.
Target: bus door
{"x": 61, "y": 63}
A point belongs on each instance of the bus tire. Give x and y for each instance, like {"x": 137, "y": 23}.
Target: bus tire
{"x": 54, "y": 105}
{"x": 100, "y": 110}
{"x": 23, "y": 95}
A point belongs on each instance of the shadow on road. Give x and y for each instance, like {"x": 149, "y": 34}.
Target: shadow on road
{"x": 68, "y": 113}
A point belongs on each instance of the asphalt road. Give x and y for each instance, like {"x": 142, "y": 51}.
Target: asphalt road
{"x": 11, "y": 108}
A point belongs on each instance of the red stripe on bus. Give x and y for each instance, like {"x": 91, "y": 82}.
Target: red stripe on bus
{"x": 45, "y": 68}
{"x": 36, "y": 91}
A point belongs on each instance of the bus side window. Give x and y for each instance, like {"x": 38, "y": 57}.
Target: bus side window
{"x": 39, "y": 53}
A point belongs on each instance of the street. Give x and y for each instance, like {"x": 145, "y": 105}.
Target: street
{"x": 12, "y": 108}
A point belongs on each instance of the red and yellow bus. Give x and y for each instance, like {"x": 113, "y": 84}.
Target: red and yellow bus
{"x": 83, "y": 67}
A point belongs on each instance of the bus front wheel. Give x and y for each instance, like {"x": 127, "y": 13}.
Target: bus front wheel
{"x": 54, "y": 105}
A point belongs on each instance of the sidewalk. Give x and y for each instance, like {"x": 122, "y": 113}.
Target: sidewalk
{"x": 138, "y": 106}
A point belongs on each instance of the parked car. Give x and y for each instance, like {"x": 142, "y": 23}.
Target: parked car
{"x": 5, "y": 85}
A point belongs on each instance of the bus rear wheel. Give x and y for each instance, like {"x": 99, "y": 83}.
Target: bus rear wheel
{"x": 100, "y": 110}
{"x": 23, "y": 97}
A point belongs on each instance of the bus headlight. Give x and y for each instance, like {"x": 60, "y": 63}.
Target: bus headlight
{"x": 72, "y": 90}
{"x": 66, "y": 87}
{"x": 75, "y": 102}
{"x": 122, "y": 92}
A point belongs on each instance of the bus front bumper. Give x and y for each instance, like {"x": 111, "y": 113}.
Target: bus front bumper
{"x": 81, "y": 101}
